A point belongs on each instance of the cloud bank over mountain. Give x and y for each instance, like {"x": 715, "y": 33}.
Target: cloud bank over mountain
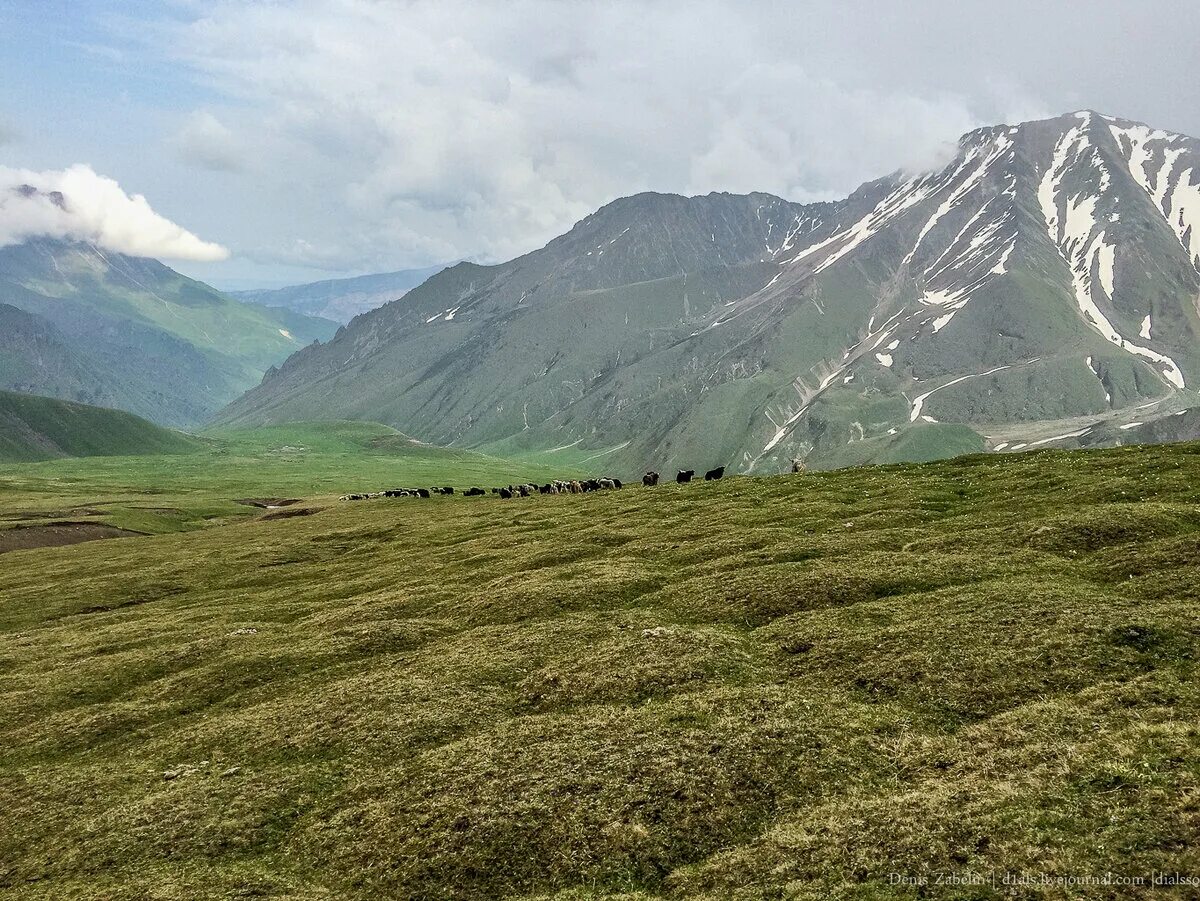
{"x": 78, "y": 204}
{"x": 483, "y": 130}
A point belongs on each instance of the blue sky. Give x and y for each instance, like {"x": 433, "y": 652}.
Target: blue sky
{"x": 316, "y": 138}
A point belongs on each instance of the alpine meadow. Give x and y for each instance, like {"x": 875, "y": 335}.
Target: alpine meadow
{"x": 634, "y": 450}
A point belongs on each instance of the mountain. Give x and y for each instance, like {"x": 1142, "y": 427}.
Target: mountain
{"x": 84, "y": 324}
{"x": 341, "y": 299}
{"x": 41, "y": 428}
{"x": 1039, "y": 290}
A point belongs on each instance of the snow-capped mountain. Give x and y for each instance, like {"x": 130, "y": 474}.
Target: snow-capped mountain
{"x": 1039, "y": 290}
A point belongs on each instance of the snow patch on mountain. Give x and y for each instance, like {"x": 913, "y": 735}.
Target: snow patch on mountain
{"x": 1153, "y": 157}
{"x": 1080, "y": 240}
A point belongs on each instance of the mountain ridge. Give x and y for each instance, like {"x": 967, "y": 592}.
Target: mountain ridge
{"x": 132, "y": 333}
{"x": 340, "y": 299}
{"x": 1006, "y": 292}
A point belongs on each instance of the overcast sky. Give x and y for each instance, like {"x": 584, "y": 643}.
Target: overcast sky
{"x": 316, "y": 138}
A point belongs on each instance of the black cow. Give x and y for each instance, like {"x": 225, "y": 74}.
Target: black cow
{"x": 447, "y": 491}
{"x": 650, "y": 479}
{"x": 617, "y": 482}
{"x": 474, "y": 492}
{"x": 423, "y": 492}
{"x": 505, "y": 493}
{"x": 684, "y": 476}
{"x": 713, "y": 474}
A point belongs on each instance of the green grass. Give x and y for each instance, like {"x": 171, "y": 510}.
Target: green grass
{"x": 758, "y": 688}
{"x": 314, "y": 462}
{"x": 41, "y": 428}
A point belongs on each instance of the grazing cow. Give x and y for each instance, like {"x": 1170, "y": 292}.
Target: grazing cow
{"x": 523, "y": 490}
{"x": 798, "y": 466}
{"x": 650, "y": 479}
{"x": 575, "y": 487}
{"x": 617, "y": 482}
{"x": 607, "y": 483}
{"x": 713, "y": 474}
{"x": 447, "y": 490}
{"x": 684, "y": 476}
{"x": 505, "y": 493}
{"x": 423, "y": 492}
{"x": 474, "y": 492}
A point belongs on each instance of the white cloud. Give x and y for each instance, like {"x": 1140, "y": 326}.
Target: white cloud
{"x": 392, "y": 134}
{"x": 205, "y": 141}
{"x": 77, "y": 204}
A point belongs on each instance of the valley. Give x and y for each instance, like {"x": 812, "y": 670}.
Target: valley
{"x": 203, "y": 484}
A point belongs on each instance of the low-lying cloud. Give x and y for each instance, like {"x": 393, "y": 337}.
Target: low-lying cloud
{"x": 78, "y": 204}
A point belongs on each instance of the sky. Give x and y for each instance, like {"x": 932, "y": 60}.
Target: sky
{"x": 255, "y": 143}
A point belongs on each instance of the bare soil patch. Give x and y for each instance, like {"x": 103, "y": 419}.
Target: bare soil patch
{"x": 288, "y": 514}
{"x": 58, "y": 534}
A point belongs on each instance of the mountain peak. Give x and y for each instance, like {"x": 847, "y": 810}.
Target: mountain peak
{"x": 1036, "y": 290}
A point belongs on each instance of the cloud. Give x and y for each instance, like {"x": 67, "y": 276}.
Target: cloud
{"x": 392, "y": 134}
{"x": 77, "y": 204}
{"x": 207, "y": 142}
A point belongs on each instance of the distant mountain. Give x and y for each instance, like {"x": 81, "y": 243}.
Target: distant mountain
{"x": 341, "y": 299}
{"x": 41, "y": 428}
{"x": 1040, "y": 290}
{"x": 80, "y": 323}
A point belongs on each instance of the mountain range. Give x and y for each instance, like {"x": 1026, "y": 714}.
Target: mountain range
{"x": 1039, "y": 290}
{"x": 341, "y": 299}
{"x": 84, "y": 324}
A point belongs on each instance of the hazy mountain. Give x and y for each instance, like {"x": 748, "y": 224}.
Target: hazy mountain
{"x": 41, "y": 428}
{"x": 1039, "y": 290}
{"x": 80, "y": 323}
{"x": 341, "y": 299}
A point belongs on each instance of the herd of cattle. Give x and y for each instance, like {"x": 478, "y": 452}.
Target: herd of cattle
{"x": 558, "y": 486}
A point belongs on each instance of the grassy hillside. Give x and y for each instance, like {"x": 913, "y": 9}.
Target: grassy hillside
{"x": 759, "y": 688}
{"x": 300, "y": 461}
{"x": 40, "y": 428}
{"x": 81, "y": 324}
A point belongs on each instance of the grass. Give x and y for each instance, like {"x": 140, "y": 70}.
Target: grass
{"x": 317, "y": 462}
{"x": 759, "y": 688}
{"x": 39, "y": 428}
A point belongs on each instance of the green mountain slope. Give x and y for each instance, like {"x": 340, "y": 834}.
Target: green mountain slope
{"x": 790, "y": 687}
{"x": 341, "y": 299}
{"x": 1043, "y": 282}
{"x": 41, "y": 428}
{"x": 157, "y": 344}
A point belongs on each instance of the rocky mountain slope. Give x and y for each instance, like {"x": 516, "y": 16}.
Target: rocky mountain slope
{"x": 1039, "y": 290}
{"x": 80, "y": 323}
{"x": 341, "y": 299}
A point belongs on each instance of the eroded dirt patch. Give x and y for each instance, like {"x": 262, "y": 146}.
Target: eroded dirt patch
{"x": 267, "y": 503}
{"x": 58, "y": 534}
{"x": 288, "y": 514}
